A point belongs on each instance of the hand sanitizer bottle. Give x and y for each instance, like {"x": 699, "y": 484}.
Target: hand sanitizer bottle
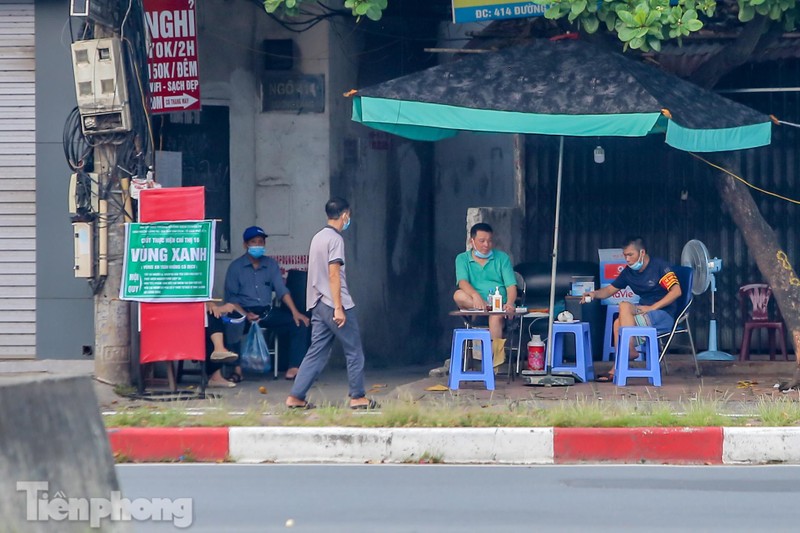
{"x": 497, "y": 300}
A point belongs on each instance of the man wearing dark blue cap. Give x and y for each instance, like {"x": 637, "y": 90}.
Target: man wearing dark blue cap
{"x": 250, "y": 281}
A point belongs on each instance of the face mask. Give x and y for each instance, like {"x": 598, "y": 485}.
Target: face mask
{"x": 255, "y": 251}
{"x": 482, "y": 255}
{"x": 638, "y": 264}
{"x": 346, "y": 224}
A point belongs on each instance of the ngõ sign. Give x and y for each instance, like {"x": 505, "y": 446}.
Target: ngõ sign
{"x": 172, "y": 57}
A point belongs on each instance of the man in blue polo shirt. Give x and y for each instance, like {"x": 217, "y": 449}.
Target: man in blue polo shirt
{"x": 657, "y": 287}
{"x": 479, "y": 272}
{"x": 250, "y": 282}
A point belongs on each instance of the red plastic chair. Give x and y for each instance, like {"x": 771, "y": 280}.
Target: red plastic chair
{"x": 754, "y": 302}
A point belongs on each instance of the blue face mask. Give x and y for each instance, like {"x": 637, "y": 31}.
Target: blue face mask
{"x": 482, "y": 255}
{"x": 255, "y": 251}
{"x": 637, "y": 266}
{"x": 346, "y": 224}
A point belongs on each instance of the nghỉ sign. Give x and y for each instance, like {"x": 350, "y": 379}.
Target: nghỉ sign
{"x": 168, "y": 261}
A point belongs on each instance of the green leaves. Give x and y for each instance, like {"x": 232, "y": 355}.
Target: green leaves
{"x": 372, "y": 9}
{"x": 640, "y": 24}
{"x": 272, "y": 5}
{"x": 774, "y": 9}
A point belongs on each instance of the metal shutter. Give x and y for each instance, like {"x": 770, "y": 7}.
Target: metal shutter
{"x": 17, "y": 181}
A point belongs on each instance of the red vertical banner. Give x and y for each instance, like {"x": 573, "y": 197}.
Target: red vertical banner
{"x": 172, "y": 331}
{"x": 172, "y": 57}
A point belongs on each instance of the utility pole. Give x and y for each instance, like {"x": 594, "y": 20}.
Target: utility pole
{"x": 112, "y": 337}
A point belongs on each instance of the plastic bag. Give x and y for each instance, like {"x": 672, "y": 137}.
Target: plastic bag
{"x": 254, "y": 357}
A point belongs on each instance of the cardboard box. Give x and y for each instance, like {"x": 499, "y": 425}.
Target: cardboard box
{"x": 581, "y": 285}
{"x": 612, "y": 262}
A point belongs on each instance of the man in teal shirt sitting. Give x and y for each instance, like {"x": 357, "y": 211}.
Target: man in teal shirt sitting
{"x": 479, "y": 271}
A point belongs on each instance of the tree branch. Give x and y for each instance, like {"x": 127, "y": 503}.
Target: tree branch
{"x": 732, "y": 56}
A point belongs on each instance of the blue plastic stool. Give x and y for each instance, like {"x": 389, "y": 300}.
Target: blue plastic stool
{"x": 608, "y": 345}
{"x": 457, "y": 372}
{"x": 652, "y": 369}
{"x": 583, "y": 367}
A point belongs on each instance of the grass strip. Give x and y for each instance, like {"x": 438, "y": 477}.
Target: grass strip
{"x": 447, "y": 412}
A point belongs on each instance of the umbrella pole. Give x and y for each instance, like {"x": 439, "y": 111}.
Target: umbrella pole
{"x": 549, "y": 360}
{"x": 550, "y": 379}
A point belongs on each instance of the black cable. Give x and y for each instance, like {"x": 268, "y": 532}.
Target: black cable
{"x": 77, "y": 148}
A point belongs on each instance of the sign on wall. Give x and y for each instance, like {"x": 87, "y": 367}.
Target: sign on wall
{"x": 291, "y": 262}
{"x": 482, "y": 10}
{"x": 168, "y": 261}
{"x": 298, "y": 93}
{"x": 172, "y": 57}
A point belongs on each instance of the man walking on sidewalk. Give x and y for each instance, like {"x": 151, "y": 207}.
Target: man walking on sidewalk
{"x": 332, "y": 312}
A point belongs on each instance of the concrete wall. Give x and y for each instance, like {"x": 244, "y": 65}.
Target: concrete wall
{"x": 228, "y": 57}
{"x": 280, "y": 161}
{"x": 64, "y": 304}
{"x": 66, "y": 448}
{"x": 293, "y": 155}
{"x": 472, "y": 170}
{"x": 389, "y": 183}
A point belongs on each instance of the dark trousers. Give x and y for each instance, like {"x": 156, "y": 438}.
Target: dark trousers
{"x": 323, "y": 332}
{"x": 215, "y": 325}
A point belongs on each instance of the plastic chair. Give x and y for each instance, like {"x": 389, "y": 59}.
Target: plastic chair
{"x": 756, "y": 315}
{"x": 652, "y": 369}
{"x": 612, "y": 311}
{"x": 685, "y": 276}
{"x": 458, "y": 358}
{"x": 583, "y": 367}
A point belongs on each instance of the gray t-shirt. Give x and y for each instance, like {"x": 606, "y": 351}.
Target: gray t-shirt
{"x": 327, "y": 247}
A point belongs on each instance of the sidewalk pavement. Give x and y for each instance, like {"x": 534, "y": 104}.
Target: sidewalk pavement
{"x": 735, "y": 385}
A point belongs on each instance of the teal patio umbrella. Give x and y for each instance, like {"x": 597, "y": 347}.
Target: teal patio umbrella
{"x": 564, "y": 88}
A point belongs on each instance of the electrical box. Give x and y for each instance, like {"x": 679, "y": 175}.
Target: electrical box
{"x": 84, "y": 246}
{"x": 100, "y": 86}
{"x": 84, "y": 193}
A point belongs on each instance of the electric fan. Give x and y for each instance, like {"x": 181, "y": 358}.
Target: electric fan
{"x": 695, "y": 255}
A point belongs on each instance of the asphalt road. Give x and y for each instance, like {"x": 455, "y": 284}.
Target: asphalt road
{"x": 380, "y": 498}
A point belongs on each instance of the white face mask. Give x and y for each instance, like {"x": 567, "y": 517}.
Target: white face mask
{"x": 640, "y": 263}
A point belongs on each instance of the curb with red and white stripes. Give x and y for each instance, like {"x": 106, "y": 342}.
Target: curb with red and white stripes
{"x": 523, "y": 446}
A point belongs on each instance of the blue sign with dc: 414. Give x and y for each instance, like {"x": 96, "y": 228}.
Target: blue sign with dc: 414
{"x": 485, "y": 10}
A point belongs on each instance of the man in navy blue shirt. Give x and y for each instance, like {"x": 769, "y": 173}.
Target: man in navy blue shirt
{"x": 250, "y": 281}
{"x": 656, "y": 285}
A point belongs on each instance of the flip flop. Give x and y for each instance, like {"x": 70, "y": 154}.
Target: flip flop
{"x": 305, "y": 407}
{"x": 220, "y": 385}
{"x": 235, "y": 378}
{"x": 604, "y": 378}
{"x": 224, "y": 356}
{"x": 364, "y": 406}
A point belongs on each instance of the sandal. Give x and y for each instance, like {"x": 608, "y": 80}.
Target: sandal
{"x": 305, "y": 407}
{"x": 605, "y": 378}
{"x": 372, "y": 404}
{"x": 222, "y": 384}
{"x": 236, "y": 378}
{"x": 224, "y": 356}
